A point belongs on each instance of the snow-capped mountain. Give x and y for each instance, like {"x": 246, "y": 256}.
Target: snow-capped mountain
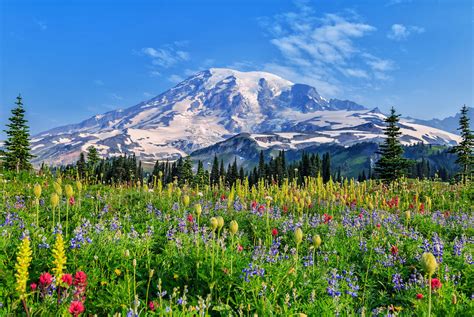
{"x": 450, "y": 124}
{"x": 217, "y": 104}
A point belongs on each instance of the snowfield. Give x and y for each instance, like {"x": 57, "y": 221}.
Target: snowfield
{"x": 219, "y": 103}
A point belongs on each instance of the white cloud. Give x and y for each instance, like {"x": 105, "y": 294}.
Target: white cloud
{"x": 242, "y": 65}
{"x": 175, "y": 78}
{"x": 42, "y": 25}
{"x": 399, "y": 32}
{"x": 323, "y": 50}
{"x": 397, "y": 2}
{"x": 116, "y": 96}
{"x": 98, "y": 82}
{"x": 155, "y": 73}
{"x": 166, "y": 56}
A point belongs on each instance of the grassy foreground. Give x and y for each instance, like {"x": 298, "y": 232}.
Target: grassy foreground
{"x": 350, "y": 249}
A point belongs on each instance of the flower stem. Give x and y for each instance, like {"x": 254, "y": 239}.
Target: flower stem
{"x": 429, "y": 297}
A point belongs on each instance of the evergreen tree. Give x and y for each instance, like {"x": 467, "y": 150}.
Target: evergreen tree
{"x": 261, "y": 166}
{"x": 177, "y": 170}
{"x": 92, "y": 158}
{"x": 464, "y": 150}
{"x": 81, "y": 166}
{"x": 17, "y": 145}
{"x": 305, "y": 168}
{"x": 326, "y": 167}
{"x": 140, "y": 172}
{"x": 222, "y": 171}
{"x": 187, "y": 171}
{"x": 215, "y": 171}
{"x": 233, "y": 174}
{"x": 242, "y": 173}
{"x": 391, "y": 164}
{"x": 200, "y": 178}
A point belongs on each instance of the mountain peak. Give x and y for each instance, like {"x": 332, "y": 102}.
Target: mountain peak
{"x": 255, "y": 75}
{"x": 212, "y": 106}
{"x": 250, "y": 79}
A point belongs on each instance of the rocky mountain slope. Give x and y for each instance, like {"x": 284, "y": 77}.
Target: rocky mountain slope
{"x": 216, "y": 104}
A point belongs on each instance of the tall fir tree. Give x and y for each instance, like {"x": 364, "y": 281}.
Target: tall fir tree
{"x": 187, "y": 171}
{"x": 326, "y": 167}
{"x": 81, "y": 166}
{"x": 200, "y": 178}
{"x": 391, "y": 164}
{"x": 17, "y": 145}
{"x": 92, "y": 158}
{"x": 215, "y": 171}
{"x": 222, "y": 171}
{"x": 464, "y": 150}
{"x": 233, "y": 173}
{"x": 261, "y": 166}
{"x": 241, "y": 173}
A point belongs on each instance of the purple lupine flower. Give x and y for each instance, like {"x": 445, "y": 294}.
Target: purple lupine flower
{"x": 333, "y": 284}
{"x": 252, "y": 271}
{"x": 397, "y": 281}
{"x": 458, "y": 246}
{"x": 437, "y": 247}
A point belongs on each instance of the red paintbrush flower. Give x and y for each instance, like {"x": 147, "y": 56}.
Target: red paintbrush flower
{"x": 394, "y": 250}
{"x": 76, "y": 308}
{"x": 80, "y": 278}
{"x": 45, "y": 279}
{"x": 327, "y": 218}
{"x": 274, "y": 232}
{"x": 151, "y": 305}
{"x": 419, "y": 296}
{"x": 435, "y": 283}
{"x": 67, "y": 279}
{"x": 190, "y": 218}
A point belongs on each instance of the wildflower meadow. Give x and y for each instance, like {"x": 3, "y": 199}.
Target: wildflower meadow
{"x": 81, "y": 248}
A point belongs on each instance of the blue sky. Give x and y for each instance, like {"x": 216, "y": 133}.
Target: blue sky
{"x": 73, "y": 59}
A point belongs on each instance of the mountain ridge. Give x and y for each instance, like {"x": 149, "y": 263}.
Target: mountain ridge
{"x": 214, "y": 105}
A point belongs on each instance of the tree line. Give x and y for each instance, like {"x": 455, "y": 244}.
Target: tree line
{"x": 391, "y": 164}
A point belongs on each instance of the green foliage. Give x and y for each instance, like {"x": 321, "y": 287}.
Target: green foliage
{"x": 391, "y": 165}
{"x": 136, "y": 244}
{"x": 133, "y": 243}
{"x": 465, "y": 149}
{"x": 17, "y": 145}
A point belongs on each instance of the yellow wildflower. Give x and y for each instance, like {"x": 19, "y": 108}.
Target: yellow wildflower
{"x": 37, "y": 190}
{"x": 79, "y": 186}
{"x": 234, "y": 227}
{"x": 298, "y": 235}
{"x": 69, "y": 191}
{"x": 54, "y": 200}
{"x": 23, "y": 261}
{"x": 198, "y": 208}
{"x": 428, "y": 263}
{"x": 317, "y": 241}
{"x": 186, "y": 200}
{"x": 220, "y": 222}
{"x": 214, "y": 223}
{"x": 57, "y": 188}
{"x": 59, "y": 256}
